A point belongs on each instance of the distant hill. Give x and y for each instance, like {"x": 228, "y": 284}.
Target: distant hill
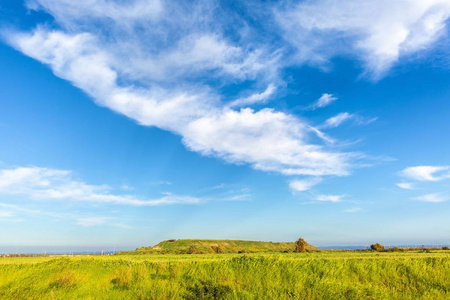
{"x": 198, "y": 246}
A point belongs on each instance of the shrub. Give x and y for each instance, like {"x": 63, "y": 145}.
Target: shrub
{"x": 207, "y": 290}
{"x": 300, "y": 245}
{"x": 396, "y": 249}
{"x": 377, "y": 247}
{"x": 445, "y": 248}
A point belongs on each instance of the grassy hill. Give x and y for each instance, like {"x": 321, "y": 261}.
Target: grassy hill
{"x": 198, "y": 246}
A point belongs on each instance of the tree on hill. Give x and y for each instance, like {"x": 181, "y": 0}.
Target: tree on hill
{"x": 377, "y": 247}
{"x": 300, "y": 245}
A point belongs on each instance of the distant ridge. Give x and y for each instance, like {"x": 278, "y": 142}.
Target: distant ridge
{"x": 204, "y": 246}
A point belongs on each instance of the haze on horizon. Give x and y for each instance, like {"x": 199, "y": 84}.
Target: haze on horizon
{"x": 124, "y": 123}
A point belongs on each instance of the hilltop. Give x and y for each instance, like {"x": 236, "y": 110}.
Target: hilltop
{"x": 202, "y": 246}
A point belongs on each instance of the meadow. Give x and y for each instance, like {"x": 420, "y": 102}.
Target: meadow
{"x": 313, "y": 275}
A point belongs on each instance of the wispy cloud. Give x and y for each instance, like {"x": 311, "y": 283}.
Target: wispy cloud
{"x": 337, "y": 120}
{"x": 324, "y": 100}
{"x": 426, "y": 173}
{"x": 162, "y": 182}
{"x": 92, "y": 221}
{"x": 163, "y": 83}
{"x": 378, "y": 32}
{"x": 240, "y": 197}
{"x": 330, "y": 198}
{"x": 85, "y": 221}
{"x": 6, "y": 214}
{"x": 433, "y": 198}
{"x": 184, "y": 57}
{"x": 352, "y": 209}
{"x": 304, "y": 184}
{"x": 228, "y": 192}
{"x": 341, "y": 118}
{"x": 405, "y": 185}
{"x": 256, "y": 98}
{"x": 45, "y": 183}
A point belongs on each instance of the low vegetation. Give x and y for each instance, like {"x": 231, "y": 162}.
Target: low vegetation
{"x": 304, "y": 275}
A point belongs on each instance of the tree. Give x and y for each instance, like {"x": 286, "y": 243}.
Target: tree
{"x": 300, "y": 245}
{"x": 377, "y": 247}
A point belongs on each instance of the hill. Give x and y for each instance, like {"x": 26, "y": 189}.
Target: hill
{"x": 200, "y": 246}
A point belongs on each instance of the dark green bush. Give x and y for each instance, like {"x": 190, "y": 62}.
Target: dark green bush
{"x": 207, "y": 290}
{"x": 377, "y": 247}
{"x": 396, "y": 249}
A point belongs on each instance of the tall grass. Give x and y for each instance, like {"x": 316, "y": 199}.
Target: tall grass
{"x": 328, "y": 275}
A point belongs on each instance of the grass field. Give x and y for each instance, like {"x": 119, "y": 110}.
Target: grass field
{"x": 320, "y": 275}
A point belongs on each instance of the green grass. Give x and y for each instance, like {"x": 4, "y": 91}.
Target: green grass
{"x": 318, "y": 275}
{"x": 211, "y": 246}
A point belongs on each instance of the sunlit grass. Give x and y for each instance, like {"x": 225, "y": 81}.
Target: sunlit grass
{"x": 323, "y": 275}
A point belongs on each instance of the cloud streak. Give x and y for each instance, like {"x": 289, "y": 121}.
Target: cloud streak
{"x": 85, "y": 221}
{"x": 432, "y": 198}
{"x": 324, "y": 100}
{"x": 52, "y": 184}
{"x": 426, "y": 173}
{"x": 305, "y": 184}
{"x": 330, "y": 198}
{"x": 405, "y": 185}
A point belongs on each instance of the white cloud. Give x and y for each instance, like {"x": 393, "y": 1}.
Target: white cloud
{"x": 6, "y": 214}
{"x": 337, "y": 120}
{"x": 85, "y": 221}
{"x": 341, "y": 118}
{"x": 426, "y": 173}
{"x": 433, "y": 198}
{"x": 162, "y": 182}
{"x": 330, "y": 198}
{"x": 352, "y": 209}
{"x": 268, "y": 140}
{"x": 305, "y": 184}
{"x": 324, "y": 100}
{"x": 48, "y": 184}
{"x": 379, "y": 32}
{"x": 405, "y": 185}
{"x": 182, "y": 58}
{"x": 69, "y": 12}
{"x": 265, "y": 139}
{"x": 91, "y": 221}
{"x": 254, "y": 98}
{"x": 241, "y": 197}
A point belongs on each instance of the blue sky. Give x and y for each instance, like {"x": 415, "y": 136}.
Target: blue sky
{"x": 126, "y": 123}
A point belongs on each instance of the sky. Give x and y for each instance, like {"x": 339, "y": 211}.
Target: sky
{"x": 124, "y": 123}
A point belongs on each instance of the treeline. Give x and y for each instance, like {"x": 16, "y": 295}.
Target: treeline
{"x": 23, "y": 255}
{"x": 380, "y": 248}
